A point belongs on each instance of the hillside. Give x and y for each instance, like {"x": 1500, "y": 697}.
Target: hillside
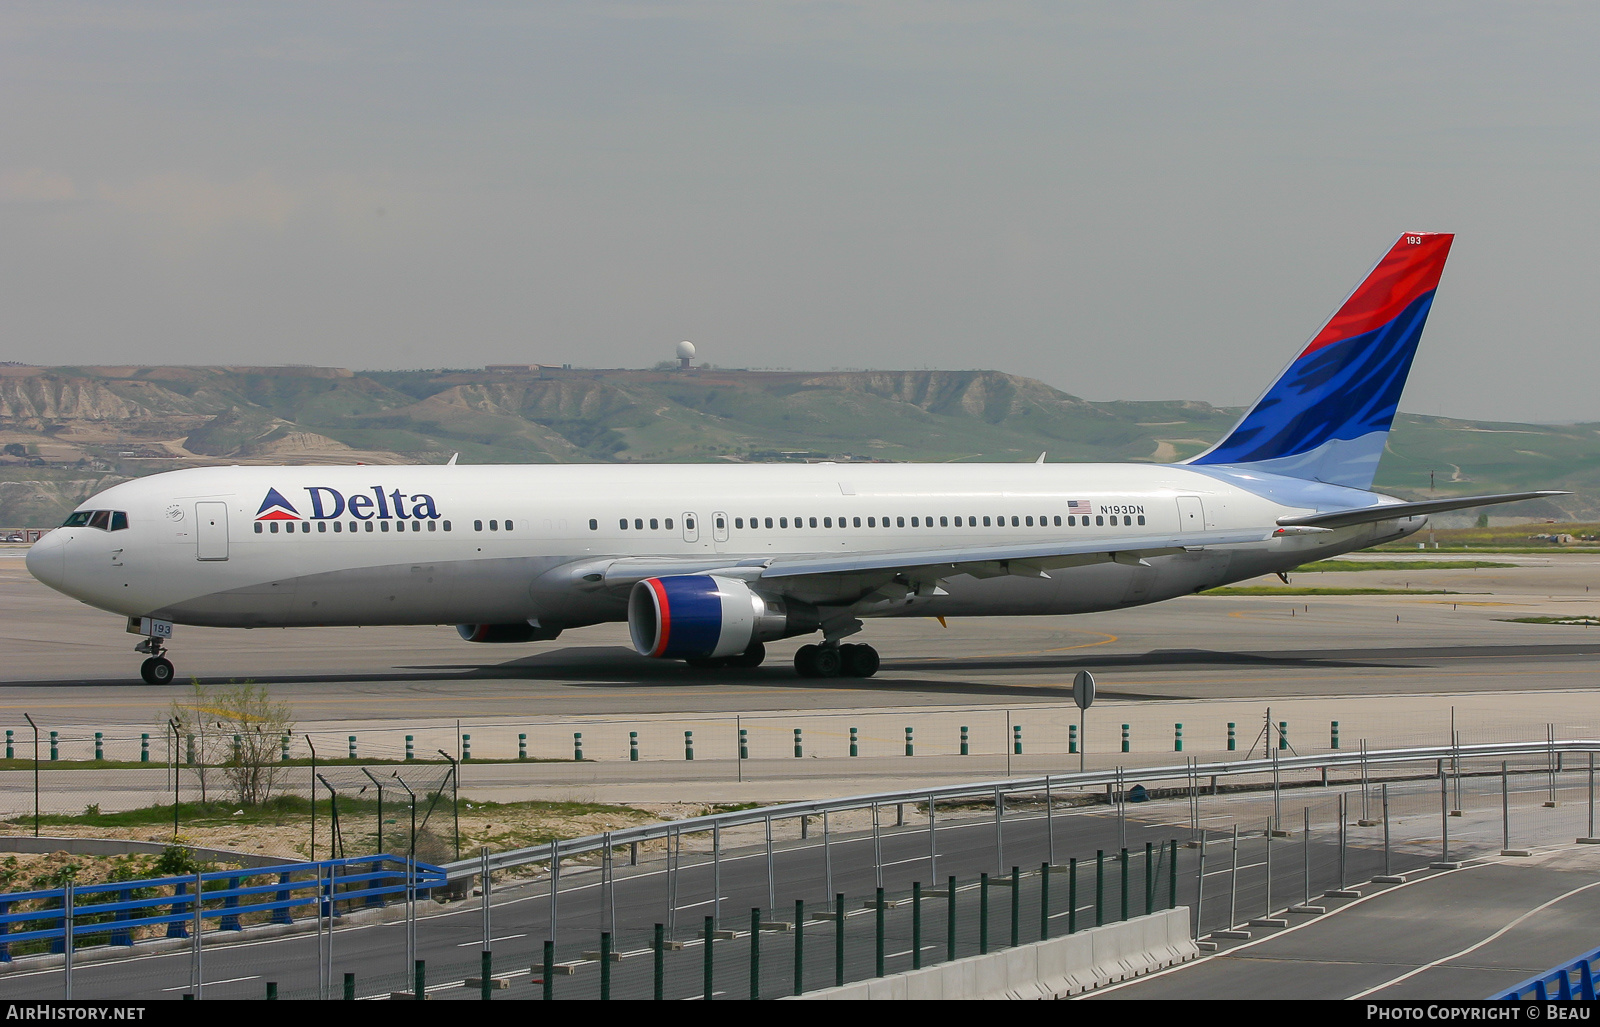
{"x": 67, "y": 431}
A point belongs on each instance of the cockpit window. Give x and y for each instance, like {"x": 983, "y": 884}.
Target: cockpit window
{"x": 105, "y": 520}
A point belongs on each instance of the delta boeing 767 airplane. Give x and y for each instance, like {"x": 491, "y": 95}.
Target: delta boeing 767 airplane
{"x": 707, "y": 563}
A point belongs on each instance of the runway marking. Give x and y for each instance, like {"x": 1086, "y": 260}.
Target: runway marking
{"x": 1106, "y": 639}
{"x": 1473, "y": 948}
{"x": 231, "y": 980}
{"x": 479, "y": 942}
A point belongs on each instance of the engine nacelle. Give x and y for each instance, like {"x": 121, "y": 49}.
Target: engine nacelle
{"x": 707, "y": 616}
{"x": 523, "y": 632}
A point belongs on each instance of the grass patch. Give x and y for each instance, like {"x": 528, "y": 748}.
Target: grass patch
{"x": 1588, "y": 622}
{"x": 1331, "y": 566}
{"x": 1268, "y": 590}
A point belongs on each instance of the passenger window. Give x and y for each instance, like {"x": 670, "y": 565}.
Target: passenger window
{"x": 369, "y": 525}
{"x": 769, "y": 522}
{"x": 417, "y": 525}
{"x": 274, "y": 527}
{"x": 669, "y": 523}
{"x": 722, "y": 522}
{"x": 305, "y": 527}
{"x": 338, "y": 526}
{"x": 899, "y": 522}
{"x": 322, "y": 526}
{"x": 594, "y": 525}
{"x": 1127, "y": 520}
{"x": 1141, "y": 518}
{"x": 872, "y": 522}
{"x": 477, "y": 525}
{"x": 638, "y": 524}
{"x": 1030, "y": 520}
{"x": 813, "y": 522}
{"x": 355, "y": 526}
{"x": 1072, "y": 520}
{"x": 258, "y": 527}
{"x": 622, "y": 522}
{"x": 653, "y": 525}
{"x": 827, "y": 522}
{"x": 100, "y": 519}
{"x": 738, "y": 522}
{"x": 914, "y": 523}
{"x": 508, "y": 525}
{"x": 1058, "y": 520}
{"x": 688, "y": 524}
{"x": 944, "y": 522}
{"x": 986, "y": 522}
{"x": 783, "y": 522}
{"x": 856, "y": 522}
{"x": 494, "y": 525}
{"x": 1099, "y": 519}
{"x": 434, "y": 525}
{"x": 384, "y": 525}
{"x": 1014, "y": 521}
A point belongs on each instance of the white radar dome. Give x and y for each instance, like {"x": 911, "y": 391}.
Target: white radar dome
{"x": 685, "y": 350}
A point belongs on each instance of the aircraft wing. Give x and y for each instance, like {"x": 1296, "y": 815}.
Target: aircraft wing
{"x": 1394, "y": 511}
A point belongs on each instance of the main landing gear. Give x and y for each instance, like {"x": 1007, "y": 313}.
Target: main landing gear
{"x": 157, "y": 670}
{"x": 832, "y": 661}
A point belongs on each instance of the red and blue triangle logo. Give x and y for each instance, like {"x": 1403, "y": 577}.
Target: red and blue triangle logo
{"x": 276, "y": 508}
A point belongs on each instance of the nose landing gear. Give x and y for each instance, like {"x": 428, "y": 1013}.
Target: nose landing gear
{"x": 157, "y": 670}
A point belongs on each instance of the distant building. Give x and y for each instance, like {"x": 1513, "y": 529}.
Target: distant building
{"x": 516, "y": 368}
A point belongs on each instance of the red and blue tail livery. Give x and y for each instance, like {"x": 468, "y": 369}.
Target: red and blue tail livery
{"x": 1328, "y": 415}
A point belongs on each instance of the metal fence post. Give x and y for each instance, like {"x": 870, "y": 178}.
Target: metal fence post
{"x": 1305, "y": 858}
{"x": 716, "y": 874}
{"x": 1591, "y": 795}
{"x": 605, "y": 968}
{"x": 1099, "y": 887}
{"x": 1172, "y": 876}
{"x": 660, "y": 968}
{"x": 1386, "y": 871}
{"x": 1016, "y": 906}
{"x": 1044, "y": 901}
{"x": 755, "y": 954}
{"x": 1505, "y": 807}
{"x": 1444, "y": 816}
{"x": 1049, "y": 821}
{"x": 983, "y": 914}
{"x": 420, "y": 980}
{"x": 838, "y": 940}
{"x": 1233, "y": 881}
{"x": 706, "y": 972}
{"x": 1344, "y": 814}
{"x": 1200, "y": 887}
{"x": 1124, "y": 861}
{"x": 799, "y": 946}
{"x": 1149, "y": 878}
{"x": 950, "y": 920}
{"x": 1072, "y": 895}
{"x": 916, "y": 925}
{"x": 933, "y": 843}
{"x": 68, "y": 918}
{"x": 547, "y": 983}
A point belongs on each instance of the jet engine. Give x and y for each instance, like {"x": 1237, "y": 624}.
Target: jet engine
{"x": 706, "y": 616}
{"x": 523, "y": 632}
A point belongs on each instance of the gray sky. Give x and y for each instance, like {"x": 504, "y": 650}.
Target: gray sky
{"x": 1127, "y": 200}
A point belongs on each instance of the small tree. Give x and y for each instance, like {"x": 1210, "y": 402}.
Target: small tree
{"x": 246, "y": 711}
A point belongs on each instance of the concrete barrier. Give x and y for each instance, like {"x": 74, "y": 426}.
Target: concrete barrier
{"x": 1052, "y": 969}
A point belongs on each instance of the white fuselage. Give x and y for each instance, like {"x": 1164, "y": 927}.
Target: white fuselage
{"x": 499, "y": 544}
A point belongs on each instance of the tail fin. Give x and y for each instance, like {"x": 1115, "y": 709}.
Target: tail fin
{"x": 1327, "y": 416}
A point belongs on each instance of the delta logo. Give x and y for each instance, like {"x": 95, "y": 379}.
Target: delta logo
{"x": 328, "y": 503}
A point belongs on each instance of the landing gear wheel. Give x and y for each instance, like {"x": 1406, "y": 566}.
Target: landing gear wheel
{"x": 827, "y": 661}
{"x": 751, "y": 658}
{"x": 858, "y": 661}
{"x": 156, "y": 670}
{"x": 805, "y": 660}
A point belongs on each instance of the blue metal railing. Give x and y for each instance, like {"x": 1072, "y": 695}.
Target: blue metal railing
{"x": 116, "y": 909}
{"x": 1572, "y": 980}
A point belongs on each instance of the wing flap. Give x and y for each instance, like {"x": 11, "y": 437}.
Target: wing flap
{"x": 1395, "y": 511}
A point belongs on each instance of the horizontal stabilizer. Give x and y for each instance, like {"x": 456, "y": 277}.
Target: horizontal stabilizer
{"x": 1395, "y": 511}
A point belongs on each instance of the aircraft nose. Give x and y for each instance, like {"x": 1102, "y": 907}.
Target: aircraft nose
{"x": 47, "y": 559}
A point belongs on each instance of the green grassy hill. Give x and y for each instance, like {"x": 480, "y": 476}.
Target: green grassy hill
{"x": 70, "y": 430}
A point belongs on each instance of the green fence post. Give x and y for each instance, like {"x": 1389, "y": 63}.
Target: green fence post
{"x": 1149, "y": 878}
{"x": 1072, "y": 895}
{"x": 1072, "y": 739}
{"x": 1172, "y": 876}
{"x": 100, "y": 745}
{"x": 486, "y": 973}
{"x": 577, "y": 746}
{"x": 11, "y": 738}
{"x": 710, "y": 930}
{"x": 1177, "y": 738}
{"x": 411, "y": 751}
{"x": 798, "y": 749}
{"x": 1283, "y": 734}
{"x": 908, "y": 742}
{"x": 352, "y": 744}
{"x": 605, "y": 968}
{"x": 420, "y": 980}
{"x": 964, "y": 749}
{"x": 1232, "y": 741}
{"x": 1016, "y": 906}
{"x": 877, "y": 915}
{"x": 349, "y": 987}
{"x": 1044, "y": 901}
{"x": 1016, "y": 739}
{"x": 661, "y": 962}
{"x": 1124, "y": 884}
{"x": 188, "y": 750}
{"x": 688, "y": 745}
{"x": 755, "y": 954}
{"x": 522, "y": 745}
{"x": 799, "y": 946}
{"x": 916, "y": 925}
{"x": 549, "y": 982}
{"x": 272, "y": 991}
{"x": 55, "y": 752}
{"x": 838, "y": 940}
{"x": 1099, "y": 887}
{"x": 466, "y": 747}
{"x": 744, "y": 743}
{"x": 1333, "y": 735}
{"x": 983, "y": 914}
{"x": 950, "y": 921}
{"x": 1125, "y": 738}
{"x": 855, "y": 749}
{"x": 633, "y": 747}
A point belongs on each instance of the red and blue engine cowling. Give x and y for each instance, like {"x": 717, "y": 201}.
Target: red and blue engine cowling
{"x": 707, "y": 616}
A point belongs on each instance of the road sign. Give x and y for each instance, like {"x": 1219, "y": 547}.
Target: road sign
{"x": 1083, "y": 689}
